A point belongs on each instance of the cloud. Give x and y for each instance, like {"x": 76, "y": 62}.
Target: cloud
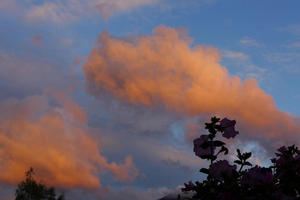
{"x": 49, "y": 133}
{"x": 29, "y": 74}
{"x": 132, "y": 193}
{"x": 124, "y": 193}
{"x": 61, "y": 11}
{"x": 286, "y": 62}
{"x": 292, "y": 29}
{"x": 108, "y": 7}
{"x": 162, "y": 69}
{"x": 244, "y": 67}
{"x": 247, "y": 41}
{"x": 293, "y": 45}
{"x": 282, "y": 57}
{"x": 153, "y": 149}
{"x": 234, "y": 55}
{"x": 37, "y": 40}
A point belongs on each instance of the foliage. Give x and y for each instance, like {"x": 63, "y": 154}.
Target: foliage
{"x": 29, "y": 189}
{"x": 233, "y": 182}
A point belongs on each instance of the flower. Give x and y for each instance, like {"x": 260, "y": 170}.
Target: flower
{"x": 188, "y": 187}
{"x": 297, "y": 157}
{"x": 228, "y": 126}
{"x": 200, "y": 151}
{"x": 282, "y": 149}
{"x": 220, "y": 169}
{"x": 258, "y": 176}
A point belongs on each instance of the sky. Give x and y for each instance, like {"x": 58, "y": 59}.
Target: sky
{"x": 103, "y": 98}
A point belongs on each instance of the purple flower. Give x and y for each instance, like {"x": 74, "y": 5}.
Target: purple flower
{"x": 297, "y": 157}
{"x": 220, "y": 169}
{"x": 188, "y": 187}
{"x": 282, "y": 149}
{"x": 258, "y": 176}
{"x": 228, "y": 126}
{"x": 200, "y": 151}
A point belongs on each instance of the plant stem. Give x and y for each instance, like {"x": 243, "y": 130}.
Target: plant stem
{"x": 241, "y": 168}
{"x": 211, "y": 151}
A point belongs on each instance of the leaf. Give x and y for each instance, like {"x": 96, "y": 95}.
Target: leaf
{"x": 205, "y": 145}
{"x": 218, "y": 143}
{"x": 207, "y": 125}
{"x": 239, "y": 154}
{"x": 248, "y": 163}
{"x": 212, "y": 130}
{"x": 213, "y": 157}
{"x": 247, "y": 155}
{"x": 226, "y": 151}
{"x": 209, "y": 157}
{"x": 204, "y": 170}
{"x": 215, "y": 119}
{"x": 212, "y": 136}
{"x": 238, "y": 162}
{"x": 205, "y": 157}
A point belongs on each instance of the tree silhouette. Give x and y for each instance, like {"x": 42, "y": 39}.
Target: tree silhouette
{"x": 29, "y": 189}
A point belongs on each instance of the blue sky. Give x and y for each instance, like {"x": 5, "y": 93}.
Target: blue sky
{"x": 47, "y": 50}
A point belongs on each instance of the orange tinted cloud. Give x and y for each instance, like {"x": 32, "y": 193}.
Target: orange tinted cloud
{"x": 108, "y": 7}
{"x": 56, "y": 11}
{"x": 163, "y": 68}
{"x": 37, "y": 40}
{"x": 55, "y": 141}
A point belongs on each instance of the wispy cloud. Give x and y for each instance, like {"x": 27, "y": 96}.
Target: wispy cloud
{"x": 37, "y": 40}
{"x": 234, "y": 55}
{"x": 293, "y": 29}
{"x": 293, "y": 45}
{"x": 60, "y": 11}
{"x": 282, "y": 57}
{"x": 243, "y": 64}
{"x": 247, "y": 41}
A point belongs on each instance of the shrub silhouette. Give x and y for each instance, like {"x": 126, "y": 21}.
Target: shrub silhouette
{"x": 29, "y": 189}
{"x": 224, "y": 181}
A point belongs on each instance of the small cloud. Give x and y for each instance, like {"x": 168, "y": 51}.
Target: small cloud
{"x": 234, "y": 55}
{"x": 78, "y": 59}
{"x": 57, "y": 11}
{"x": 247, "y": 41}
{"x": 279, "y": 57}
{"x": 109, "y": 7}
{"x": 293, "y": 45}
{"x": 37, "y": 40}
{"x": 52, "y": 11}
{"x": 293, "y": 29}
{"x": 287, "y": 61}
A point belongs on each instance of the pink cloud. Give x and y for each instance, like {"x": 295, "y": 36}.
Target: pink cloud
{"x": 70, "y": 10}
{"x": 163, "y": 69}
{"x": 107, "y": 8}
{"x": 56, "y": 141}
{"x": 37, "y": 40}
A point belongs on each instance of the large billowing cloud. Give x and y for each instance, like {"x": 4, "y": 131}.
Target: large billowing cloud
{"x": 49, "y": 133}
{"x": 163, "y": 68}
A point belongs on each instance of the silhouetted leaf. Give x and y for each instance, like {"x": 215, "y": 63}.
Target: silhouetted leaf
{"x": 218, "y": 143}
{"x": 247, "y": 155}
{"x": 238, "y": 162}
{"x": 204, "y": 170}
